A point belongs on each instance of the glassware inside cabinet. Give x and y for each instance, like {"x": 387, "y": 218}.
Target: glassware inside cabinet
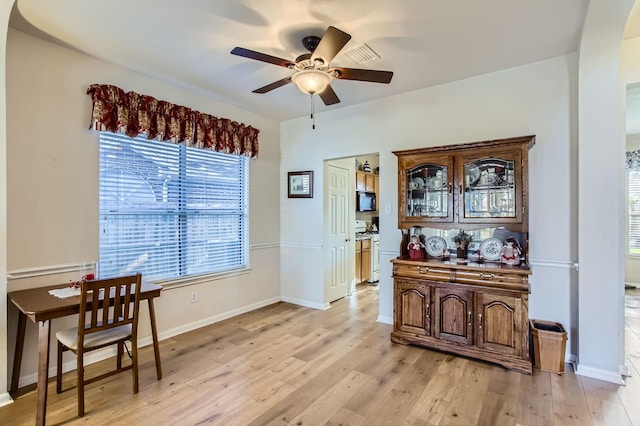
{"x": 427, "y": 191}
{"x": 490, "y": 188}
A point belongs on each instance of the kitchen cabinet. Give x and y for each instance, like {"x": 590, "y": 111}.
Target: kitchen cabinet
{"x": 363, "y": 260}
{"x": 358, "y": 262}
{"x": 361, "y": 183}
{"x": 366, "y": 181}
{"x": 365, "y": 273}
{"x": 476, "y": 307}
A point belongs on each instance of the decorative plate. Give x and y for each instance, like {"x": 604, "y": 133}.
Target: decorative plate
{"x": 490, "y": 249}
{"x": 434, "y": 182}
{"x": 436, "y": 246}
{"x": 474, "y": 174}
{"x": 419, "y": 182}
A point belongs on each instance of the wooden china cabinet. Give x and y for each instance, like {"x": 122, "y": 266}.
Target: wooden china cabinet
{"x": 476, "y": 306}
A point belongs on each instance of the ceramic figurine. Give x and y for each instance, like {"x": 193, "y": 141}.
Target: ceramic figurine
{"x": 510, "y": 253}
{"x": 416, "y": 248}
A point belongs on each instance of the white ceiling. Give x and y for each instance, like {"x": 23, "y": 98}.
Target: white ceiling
{"x": 424, "y": 42}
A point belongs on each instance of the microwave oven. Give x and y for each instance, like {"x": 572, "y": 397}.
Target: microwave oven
{"x": 365, "y": 201}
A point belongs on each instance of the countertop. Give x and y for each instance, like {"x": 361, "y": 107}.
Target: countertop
{"x": 360, "y": 237}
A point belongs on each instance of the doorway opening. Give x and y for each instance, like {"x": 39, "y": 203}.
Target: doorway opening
{"x": 351, "y": 237}
{"x": 632, "y": 240}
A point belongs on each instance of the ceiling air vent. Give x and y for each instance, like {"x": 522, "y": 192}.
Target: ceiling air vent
{"x": 361, "y": 54}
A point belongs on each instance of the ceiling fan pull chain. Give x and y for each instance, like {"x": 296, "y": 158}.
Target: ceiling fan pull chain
{"x": 313, "y": 119}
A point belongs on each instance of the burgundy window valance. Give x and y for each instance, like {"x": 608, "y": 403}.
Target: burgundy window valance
{"x": 117, "y": 111}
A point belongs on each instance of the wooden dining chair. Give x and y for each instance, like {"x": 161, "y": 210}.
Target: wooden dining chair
{"x": 103, "y": 324}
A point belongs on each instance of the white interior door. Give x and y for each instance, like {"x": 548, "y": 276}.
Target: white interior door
{"x": 339, "y": 267}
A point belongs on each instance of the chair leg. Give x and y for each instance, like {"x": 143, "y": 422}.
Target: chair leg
{"x": 59, "y": 369}
{"x": 120, "y": 353}
{"x": 80, "y": 370}
{"x": 134, "y": 360}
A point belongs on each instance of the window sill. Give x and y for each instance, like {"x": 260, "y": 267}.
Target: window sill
{"x": 199, "y": 279}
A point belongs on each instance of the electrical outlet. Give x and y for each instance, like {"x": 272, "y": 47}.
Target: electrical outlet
{"x": 194, "y": 296}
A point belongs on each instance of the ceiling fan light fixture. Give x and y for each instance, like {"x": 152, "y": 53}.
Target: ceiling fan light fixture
{"x": 311, "y": 81}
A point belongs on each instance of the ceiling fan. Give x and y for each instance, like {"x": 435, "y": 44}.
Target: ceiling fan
{"x": 312, "y": 72}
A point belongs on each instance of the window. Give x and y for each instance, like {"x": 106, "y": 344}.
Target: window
{"x": 169, "y": 211}
{"x": 633, "y": 246}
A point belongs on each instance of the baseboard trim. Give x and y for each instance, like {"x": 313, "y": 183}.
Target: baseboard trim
{"x": 597, "y": 373}
{"x": 306, "y": 303}
{"x": 384, "y": 319}
{"x": 624, "y": 371}
{"x": 212, "y": 320}
{"x": 5, "y": 399}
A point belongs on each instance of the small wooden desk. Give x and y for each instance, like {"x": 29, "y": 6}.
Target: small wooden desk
{"x": 41, "y": 307}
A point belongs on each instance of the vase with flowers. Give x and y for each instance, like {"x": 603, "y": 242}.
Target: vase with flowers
{"x": 462, "y": 240}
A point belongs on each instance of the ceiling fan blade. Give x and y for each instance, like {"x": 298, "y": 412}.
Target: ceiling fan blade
{"x": 251, "y": 54}
{"x": 328, "y": 96}
{"x": 274, "y": 85}
{"x": 331, "y": 43}
{"x": 373, "y": 76}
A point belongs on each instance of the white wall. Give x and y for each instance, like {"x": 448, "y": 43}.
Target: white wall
{"x": 52, "y": 187}
{"x": 601, "y": 204}
{"x": 534, "y": 99}
{"x": 5, "y": 13}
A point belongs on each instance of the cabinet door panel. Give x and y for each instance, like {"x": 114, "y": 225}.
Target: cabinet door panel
{"x": 361, "y": 183}
{"x": 365, "y": 273}
{"x": 370, "y": 183}
{"x": 500, "y": 323}
{"x": 490, "y": 187}
{"x": 426, "y": 189}
{"x": 358, "y": 262}
{"x": 454, "y": 315}
{"x": 412, "y": 307}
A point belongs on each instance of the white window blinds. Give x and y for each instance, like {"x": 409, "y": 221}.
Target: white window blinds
{"x": 169, "y": 211}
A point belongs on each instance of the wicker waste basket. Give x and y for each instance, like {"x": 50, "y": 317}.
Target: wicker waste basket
{"x": 549, "y": 344}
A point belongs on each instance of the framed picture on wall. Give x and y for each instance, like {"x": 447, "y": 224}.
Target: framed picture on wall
{"x": 300, "y": 184}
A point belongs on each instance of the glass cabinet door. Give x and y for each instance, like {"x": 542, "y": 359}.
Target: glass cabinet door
{"x": 490, "y": 188}
{"x": 427, "y": 192}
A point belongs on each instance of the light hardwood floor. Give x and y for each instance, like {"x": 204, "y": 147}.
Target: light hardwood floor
{"x": 285, "y": 364}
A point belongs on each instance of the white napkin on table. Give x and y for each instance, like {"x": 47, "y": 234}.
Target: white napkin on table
{"x": 65, "y": 292}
